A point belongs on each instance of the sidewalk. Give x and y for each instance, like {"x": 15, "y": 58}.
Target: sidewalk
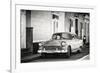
{"x": 30, "y": 57}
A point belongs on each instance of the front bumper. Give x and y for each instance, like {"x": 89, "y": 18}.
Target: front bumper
{"x": 52, "y": 51}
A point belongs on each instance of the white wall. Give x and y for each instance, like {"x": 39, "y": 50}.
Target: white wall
{"x": 41, "y": 21}
{"x": 43, "y": 26}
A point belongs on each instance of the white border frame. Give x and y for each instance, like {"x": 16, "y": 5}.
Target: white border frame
{"x": 17, "y": 67}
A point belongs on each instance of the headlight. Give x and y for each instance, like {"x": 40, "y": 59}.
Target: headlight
{"x": 63, "y": 43}
{"x": 40, "y": 44}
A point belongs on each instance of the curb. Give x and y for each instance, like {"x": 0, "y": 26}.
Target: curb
{"x": 85, "y": 57}
{"x": 30, "y": 57}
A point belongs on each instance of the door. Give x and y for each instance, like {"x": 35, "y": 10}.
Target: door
{"x": 76, "y": 26}
{"x": 55, "y": 22}
{"x": 81, "y": 27}
{"x": 75, "y": 42}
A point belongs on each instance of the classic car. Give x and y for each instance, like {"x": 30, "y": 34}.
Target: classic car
{"x": 62, "y": 42}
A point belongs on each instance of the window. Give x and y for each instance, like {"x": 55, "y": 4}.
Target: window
{"x": 71, "y": 24}
{"x": 66, "y": 36}
{"x": 76, "y": 26}
{"x": 55, "y": 16}
{"x": 55, "y": 22}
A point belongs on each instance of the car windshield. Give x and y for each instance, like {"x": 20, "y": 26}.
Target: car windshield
{"x": 58, "y": 36}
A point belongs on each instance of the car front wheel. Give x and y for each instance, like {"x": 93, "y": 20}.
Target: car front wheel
{"x": 43, "y": 55}
{"x": 69, "y": 51}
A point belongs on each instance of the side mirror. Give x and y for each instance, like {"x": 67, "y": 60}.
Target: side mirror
{"x": 73, "y": 38}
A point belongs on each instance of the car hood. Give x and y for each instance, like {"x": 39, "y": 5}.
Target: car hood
{"x": 53, "y": 43}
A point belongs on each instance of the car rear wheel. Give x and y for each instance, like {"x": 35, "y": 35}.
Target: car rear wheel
{"x": 69, "y": 51}
{"x": 80, "y": 50}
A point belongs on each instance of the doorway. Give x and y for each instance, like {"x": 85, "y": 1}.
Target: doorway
{"x": 55, "y": 22}
{"x": 76, "y": 26}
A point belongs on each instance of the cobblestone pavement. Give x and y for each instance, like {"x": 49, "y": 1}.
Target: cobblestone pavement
{"x": 39, "y": 58}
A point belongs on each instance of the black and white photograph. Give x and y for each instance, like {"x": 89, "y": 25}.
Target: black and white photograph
{"x": 50, "y": 36}
{"x": 47, "y": 36}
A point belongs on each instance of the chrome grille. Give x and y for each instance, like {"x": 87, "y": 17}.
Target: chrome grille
{"x": 52, "y": 48}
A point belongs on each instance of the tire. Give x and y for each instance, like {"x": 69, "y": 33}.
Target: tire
{"x": 43, "y": 55}
{"x": 69, "y": 51}
{"x": 79, "y": 51}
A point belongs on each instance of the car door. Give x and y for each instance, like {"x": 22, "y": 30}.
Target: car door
{"x": 74, "y": 43}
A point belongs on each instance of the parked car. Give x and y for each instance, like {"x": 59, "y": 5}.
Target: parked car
{"x": 62, "y": 42}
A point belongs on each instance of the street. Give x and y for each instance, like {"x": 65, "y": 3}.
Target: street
{"x": 56, "y": 57}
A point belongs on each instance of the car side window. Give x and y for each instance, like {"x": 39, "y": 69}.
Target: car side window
{"x": 76, "y": 37}
{"x": 66, "y": 36}
{"x": 73, "y": 36}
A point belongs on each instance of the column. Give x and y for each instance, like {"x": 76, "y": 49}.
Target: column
{"x": 29, "y": 32}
